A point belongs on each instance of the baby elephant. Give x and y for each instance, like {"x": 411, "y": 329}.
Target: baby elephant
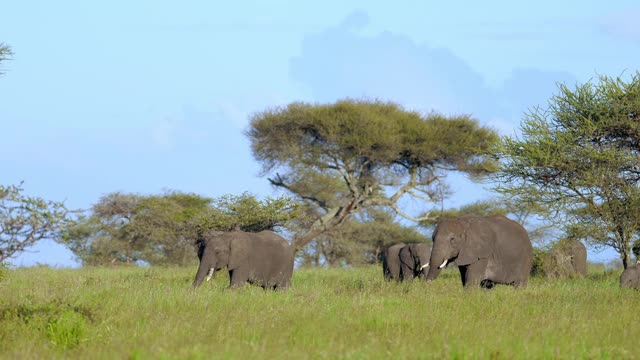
{"x": 630, "y": 278}
{"x": 402, "y": 262}
{"x": 263, "y": 258}
{"x": 391, "y": 262}
{"x": 414, "y": 259}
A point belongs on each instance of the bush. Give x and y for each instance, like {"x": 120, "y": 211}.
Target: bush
{"x": 67, "y": 330}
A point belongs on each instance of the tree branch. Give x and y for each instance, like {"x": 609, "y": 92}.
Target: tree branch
{"x": 279, "y": 182}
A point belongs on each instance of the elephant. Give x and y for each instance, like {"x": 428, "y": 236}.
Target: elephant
{"x": 630, "y": 277}
{"x": 414, "y": 258}
{"x": 391, "y": 262}
{"x": 262, "y": 258}
{"x": 487, "y": 249}
{"x": 570, "y": 257}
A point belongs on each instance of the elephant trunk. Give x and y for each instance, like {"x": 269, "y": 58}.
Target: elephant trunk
{"x": 433, "y": 273}
{"x": 422, "y": 271}
{"x": 437, "y": 262}
{"x": 204, "y": 271}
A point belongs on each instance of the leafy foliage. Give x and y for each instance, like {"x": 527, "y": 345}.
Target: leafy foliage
{"x": 636, "y": 249}
{"x": 579, "y": 158}
{"x": 360, "y": 241}
{"x": 247, "y": 213}
{"x": 161, "y": 229}
{"x": 347, "y": 156}
{"x": 480, "y": 208}
{"x": 26, "y": 220}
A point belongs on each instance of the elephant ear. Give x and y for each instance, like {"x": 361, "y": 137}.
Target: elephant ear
{"x": 478, "y": 243}
{"x": 239, "y": 247}
{"x": 405, "y": 256}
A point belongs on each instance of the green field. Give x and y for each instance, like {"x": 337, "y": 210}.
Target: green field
{"x": 142, "y": 313}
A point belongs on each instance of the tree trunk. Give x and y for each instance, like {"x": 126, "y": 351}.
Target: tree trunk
{"x": 625, "y": 259}
{"x": 330, "y": 220}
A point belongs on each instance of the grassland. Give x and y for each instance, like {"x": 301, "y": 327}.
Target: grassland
{"x": 141, "y": 313}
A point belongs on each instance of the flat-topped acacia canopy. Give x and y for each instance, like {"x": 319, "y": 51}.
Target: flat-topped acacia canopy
{"x": 371, "y": 148}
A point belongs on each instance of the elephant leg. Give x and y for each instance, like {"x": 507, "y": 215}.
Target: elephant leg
{"x": 522, "y": 283}
{"x": 396, "y": 273}
{"x": 406, "y": 273}
{"x": 474, "y": 273}
{"x": 463, "y": 273}
{"x": 487, "y": 284}
{"x": 385, "y": 269}
{"x": 238, "y": 276}
{"x": 282, "y": 284}
{"x": 422, "y": 275}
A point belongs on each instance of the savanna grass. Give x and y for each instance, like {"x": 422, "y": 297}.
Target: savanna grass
{"x": 143, "y": 313}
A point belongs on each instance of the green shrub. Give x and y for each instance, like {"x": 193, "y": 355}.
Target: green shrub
{"x": 537, "y": 268}
{"x": 67, "y": 330}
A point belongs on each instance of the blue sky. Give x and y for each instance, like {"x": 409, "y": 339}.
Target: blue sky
{"x": 141, "y": 96}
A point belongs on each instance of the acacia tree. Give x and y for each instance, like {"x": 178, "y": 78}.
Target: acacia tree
{"x": 580, "y": 159}
{"x": 377, "y": 151}
{"x": 26, "y": 220}
{"x": 359, "y": 241}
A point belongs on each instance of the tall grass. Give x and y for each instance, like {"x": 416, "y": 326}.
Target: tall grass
{"x": 142, "y": 313}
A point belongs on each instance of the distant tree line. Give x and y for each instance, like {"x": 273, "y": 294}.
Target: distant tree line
{"x": 162, "y": 229}
{"x": 351, "y": 167}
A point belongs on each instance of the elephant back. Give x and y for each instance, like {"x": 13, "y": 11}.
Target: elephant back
{"x": 630, "y": 278}
{"x": 391, "y": 261}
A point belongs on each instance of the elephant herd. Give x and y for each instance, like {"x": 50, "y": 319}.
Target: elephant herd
{"x": 487, "y": 250}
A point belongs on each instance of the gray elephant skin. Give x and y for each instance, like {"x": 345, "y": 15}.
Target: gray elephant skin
{"x": 488, "y": 250}
{"x": 630, "y": 278}
{"x": 414, "y": 258}
{"x": 571, "y": 254}
{"x": 391, "y": 262}
{"x": 264, "y": 259}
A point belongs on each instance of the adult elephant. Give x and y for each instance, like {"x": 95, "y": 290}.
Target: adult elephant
{"x": 414, "y": 258}
{"x": 569, "y": 258}
{"x": 391, "y": 262}
{"x": 487, "y": 250}
{"x": 630, "y": 277}
{"x": 263, "y": 258}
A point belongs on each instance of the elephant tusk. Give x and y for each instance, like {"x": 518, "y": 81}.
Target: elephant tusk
{"x": 209, "y": 274}
{"x": 444, "y": 263}
{"x": 424, "y": 266}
